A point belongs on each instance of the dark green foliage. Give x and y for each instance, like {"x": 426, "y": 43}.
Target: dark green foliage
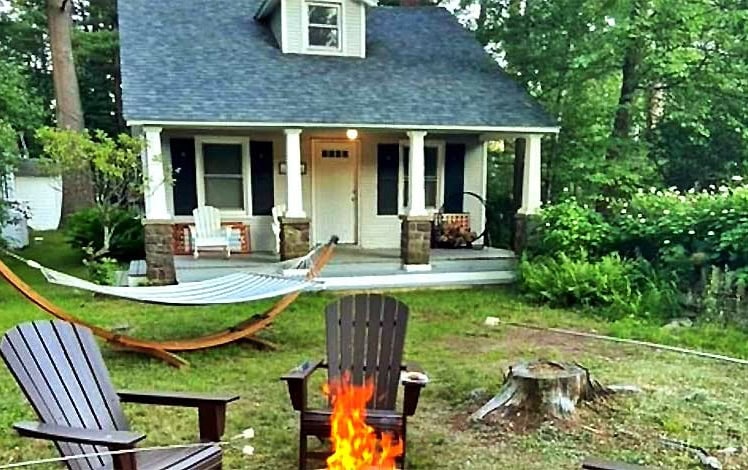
{"x": 84, "y": 229}
{"x": 572, "y": 229}
{"x": 611, "y": 286}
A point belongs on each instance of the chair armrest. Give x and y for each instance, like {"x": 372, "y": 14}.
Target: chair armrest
{"x": 109, "y": 438}
{"x": 296, "y": 381}
{"x": 211, "y": 409}
{"x": 186, "y": 400}
{"x": 412, "y": 391}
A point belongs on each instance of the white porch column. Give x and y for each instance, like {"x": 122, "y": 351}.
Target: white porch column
{"x": 416, "y": 191}
{"x": 531, "y": 176}
{"x": 294, "y": 199}
{"x": 156, "y": 207}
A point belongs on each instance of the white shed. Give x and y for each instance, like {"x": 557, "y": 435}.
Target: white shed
{"x": 41, "y": 193}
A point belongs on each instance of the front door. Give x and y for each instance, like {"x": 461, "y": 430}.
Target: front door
{"x": 334, "y": 190}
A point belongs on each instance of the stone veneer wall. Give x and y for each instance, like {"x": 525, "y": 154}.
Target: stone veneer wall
{"x": 294, "y": 238}
{"x": 415, "y": 240}
{"x": 159, "y": 258}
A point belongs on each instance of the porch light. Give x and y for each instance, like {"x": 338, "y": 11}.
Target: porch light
{"x": 352, "y": 134}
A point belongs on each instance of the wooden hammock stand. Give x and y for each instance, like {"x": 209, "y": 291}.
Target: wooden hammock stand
{"x": 166, "y": 350}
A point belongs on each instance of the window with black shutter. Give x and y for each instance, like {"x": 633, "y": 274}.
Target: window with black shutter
{"x": 388, "y": 164}
{"x": 454, "y": 178}
{"x": 183, "y": 166}
{"x": 261, "y": 167}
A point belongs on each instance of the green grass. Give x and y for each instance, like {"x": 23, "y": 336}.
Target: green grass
{"x": 685, "y": 398}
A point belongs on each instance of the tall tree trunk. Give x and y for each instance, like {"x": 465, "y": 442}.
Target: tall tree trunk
{"x": 629, "y": 83}
{"x": 77, "y": 186}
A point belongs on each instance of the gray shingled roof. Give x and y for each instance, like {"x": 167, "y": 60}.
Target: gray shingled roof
{"x": 192, "y": 60}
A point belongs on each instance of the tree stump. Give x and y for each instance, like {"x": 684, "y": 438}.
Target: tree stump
{"x": 543, "y": 389}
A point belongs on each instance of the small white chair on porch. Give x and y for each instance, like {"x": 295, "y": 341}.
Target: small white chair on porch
{"x": 277, "y": 212}
{"x": 208, "y": 233}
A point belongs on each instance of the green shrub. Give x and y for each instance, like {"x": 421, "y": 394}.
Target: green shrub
{"x": 667, "y": 227}
{"x": 570, "y": 228}
{"x": 613, "y": 286}
{"x": 102, "y": 271}
{"x": 84, "y": 229}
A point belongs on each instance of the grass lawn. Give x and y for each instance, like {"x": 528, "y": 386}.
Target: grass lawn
{"x": 686, "y": 398}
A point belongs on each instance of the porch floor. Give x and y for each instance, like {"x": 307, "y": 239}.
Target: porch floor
{"x": 355, "y": 268}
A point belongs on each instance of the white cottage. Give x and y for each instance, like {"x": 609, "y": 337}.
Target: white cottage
{"x": 360, "y": 121}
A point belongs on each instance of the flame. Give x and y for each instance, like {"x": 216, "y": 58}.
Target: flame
{"x": 355, "y": 443}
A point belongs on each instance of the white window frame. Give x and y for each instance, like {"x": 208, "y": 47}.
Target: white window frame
{"x": 441, "y": 148}
{"x": 305, "y": 19}
{"x": 246, "y": 172}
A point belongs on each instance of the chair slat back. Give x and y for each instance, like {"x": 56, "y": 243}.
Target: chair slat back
{"x": 207, "y": 221}
{"x": 365, "y": 336}
{"x": 60, "y": 370}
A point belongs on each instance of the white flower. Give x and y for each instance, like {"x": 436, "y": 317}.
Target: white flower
{"x": 737, "y": 178}
{"x": 711, "y": 186}
{"x": 248, "y": 450}
{"x": 723, "y": 189}
{"x": 642, "y": 220}
{"x": 666, "y": 212}
{"x": 623, "y": 211}
{"x": 692, "y": 190}
{"x": 682, "y": 198}
{"x": 724, "y": 211}
{"x": 652, "y": 190}
{"x": 673, "y": 189}
{"x": 666, "y": 242}
{"x": 710, "y": 233}
{"x": 640, "y": 191}
{"x": 566, "y": 190}
{"x": 692, "y": 232}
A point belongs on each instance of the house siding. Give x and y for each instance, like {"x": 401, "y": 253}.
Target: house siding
{"x": 43, "y": 195}
{"x": 353, "y": 27}
{"x": 373, "y": 231}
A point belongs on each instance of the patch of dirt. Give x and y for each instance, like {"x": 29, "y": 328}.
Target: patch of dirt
{"x": 519, "y": 342}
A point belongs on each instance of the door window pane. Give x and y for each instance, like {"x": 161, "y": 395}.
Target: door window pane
{"x": 224, "y": 179}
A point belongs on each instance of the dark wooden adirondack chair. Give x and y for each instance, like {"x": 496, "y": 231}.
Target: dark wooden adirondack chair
{"x": 60, "y": 370}
{"x": 365, "y": 336}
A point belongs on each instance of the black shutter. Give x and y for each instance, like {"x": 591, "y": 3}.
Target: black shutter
{"x": 183, "y": 167}
{"x": 388, "y": 162}
{"x": 261, "y": 162}
{"x": 454, "y": 177}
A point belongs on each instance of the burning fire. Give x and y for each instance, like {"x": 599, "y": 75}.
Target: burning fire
{"x": 355, "y": 444}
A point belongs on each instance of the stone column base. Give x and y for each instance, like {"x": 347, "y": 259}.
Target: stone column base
{"x": 524, "y": 226}
{"x": 415, "y": 242}
{"x": 159, "y": 258}
{"x": 294, "y": 238}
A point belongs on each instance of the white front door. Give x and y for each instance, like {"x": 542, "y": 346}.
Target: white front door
{"x": 334, "y": 190}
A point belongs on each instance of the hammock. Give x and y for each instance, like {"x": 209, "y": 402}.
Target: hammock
{"x": 165, "y": 350}
{"x": 229, "y": 289}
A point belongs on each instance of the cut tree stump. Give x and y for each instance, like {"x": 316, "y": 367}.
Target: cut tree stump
{"x": 543, "y": 388}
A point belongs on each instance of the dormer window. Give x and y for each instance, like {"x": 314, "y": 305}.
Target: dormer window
{"x": 324, "y": 27}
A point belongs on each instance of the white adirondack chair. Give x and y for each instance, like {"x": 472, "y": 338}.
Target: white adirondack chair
{"x": 208, "y": 233}
{"x": 277, "y": 212}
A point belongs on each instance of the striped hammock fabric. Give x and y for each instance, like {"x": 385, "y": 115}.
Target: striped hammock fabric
{"x": 232, "y": 288}
{"x": 229, "y": 289}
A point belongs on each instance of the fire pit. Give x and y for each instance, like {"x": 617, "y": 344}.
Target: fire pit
{"x": 355, "y": 444}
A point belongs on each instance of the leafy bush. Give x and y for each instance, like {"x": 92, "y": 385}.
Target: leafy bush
{"x": 84, "y": 229}
{"x": 566, "y": 227}
{"x": 667, "y": 227}
{"x": 613, "y": 286}
{"x": 102, "y": 271}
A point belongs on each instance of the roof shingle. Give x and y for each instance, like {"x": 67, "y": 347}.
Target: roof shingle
{"x": 197, "y": 61}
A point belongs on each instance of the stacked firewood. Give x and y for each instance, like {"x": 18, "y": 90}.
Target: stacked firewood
{"x": 454, "y": 235}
